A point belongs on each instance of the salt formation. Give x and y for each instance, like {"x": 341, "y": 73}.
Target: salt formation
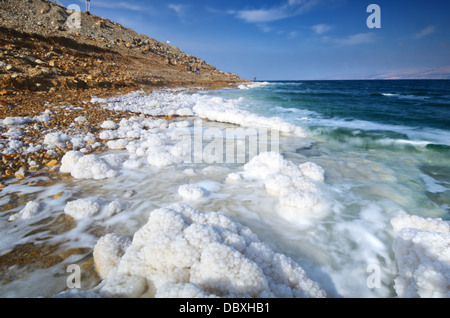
{"x": 228, "y": 111}
{"x": 82, "y": 208}
{"x": 297, "y": 186}
{"x": 422, "y": 251}
{"x": 191, "y": 192}
{"x": 201, "y": 105}
{"x": 109, "y": 124}
{"x": 55, "y": 140}
{"x": 184, "y": 252}
{"x": 114, "y": 208}
{"x": 30, "y": 209}
{"x": 90, "y": 166}
{"x": 15, "y": 121}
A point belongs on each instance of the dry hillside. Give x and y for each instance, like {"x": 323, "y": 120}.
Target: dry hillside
{"x": 45, "y": 62}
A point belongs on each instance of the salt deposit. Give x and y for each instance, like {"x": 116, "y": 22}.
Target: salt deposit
{"x": 108, "y": 134}
{"x": 30, "y": 209}
{"x": 45, "y": 117}
{"x": 183, "y": 251}
{"x": 109, "y": 124}
{"x": 422, "y": 250}
{"x": 191, "y": 192}
{"x": 117, "y": 144}
{"x": 203, "y": 106}
{"x": 114, "y": 208}
{"x": 82, "y": 208}
{"x": 90, "y": 166}
{"x": 56, "y": 139}
{"x": 16, "y": 121}
{"x": 297, "y": 187}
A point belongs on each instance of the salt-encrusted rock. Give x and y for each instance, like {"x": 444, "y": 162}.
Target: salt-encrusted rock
{"x": 191, "y": 192}
{"x": 30, "y": 209}
{"x": 56, "y": 139}
{"x": 422, "y": 252}
{"x": 108, "y": 251}
{"x": 109, "y": 124}
{"x": 82, "y": 208}
{"x": 108, "y": 134}
{"x": 297, "y": 187}
{"x": 183, "y": 251}
{"x": 90, "y": 166}
{"x": 114, "y": 208}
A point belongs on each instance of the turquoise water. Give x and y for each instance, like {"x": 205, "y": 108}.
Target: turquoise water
{"x": 403, "y": 125}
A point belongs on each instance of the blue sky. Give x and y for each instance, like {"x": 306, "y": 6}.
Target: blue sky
{"x": 297, "y": 39}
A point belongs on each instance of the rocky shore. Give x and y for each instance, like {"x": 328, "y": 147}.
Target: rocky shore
{"x": 50, "y": 70}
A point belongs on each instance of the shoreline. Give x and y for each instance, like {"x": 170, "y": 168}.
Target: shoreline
{"x": 64, "y": 112}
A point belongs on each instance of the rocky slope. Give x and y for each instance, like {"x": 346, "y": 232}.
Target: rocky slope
{"x": 45, "y": 48}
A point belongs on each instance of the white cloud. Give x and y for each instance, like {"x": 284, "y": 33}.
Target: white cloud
{"x": 426, "y": 31}
{"x": 289, "y": 9}
{"x": 178, "y": 8}
{"x": 321, "y": 28}
{"x": 360, "y": 38}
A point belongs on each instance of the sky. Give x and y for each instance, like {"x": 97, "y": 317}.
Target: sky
{"x": 297, "y": 39}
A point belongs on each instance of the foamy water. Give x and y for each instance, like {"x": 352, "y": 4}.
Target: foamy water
{"x": 171, "y": 211}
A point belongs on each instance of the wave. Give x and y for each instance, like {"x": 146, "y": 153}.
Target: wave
{"x": 253, "y": 85}
{"x": 209, "y": 107}
{"x": 317, "y": 93}
{"x": 402, "y": 138}
{"x": 405, "y": 96}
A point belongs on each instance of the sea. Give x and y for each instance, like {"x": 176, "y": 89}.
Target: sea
{"x": 383, "y": 147}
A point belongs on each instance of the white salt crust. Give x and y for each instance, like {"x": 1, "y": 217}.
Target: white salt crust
{"x": 184, "y": 252}
{"x": 82, "y": 208}
{"x": 422, "y": 252}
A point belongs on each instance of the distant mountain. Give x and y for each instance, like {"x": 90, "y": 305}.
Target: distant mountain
{"x": 415, "y": 73}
